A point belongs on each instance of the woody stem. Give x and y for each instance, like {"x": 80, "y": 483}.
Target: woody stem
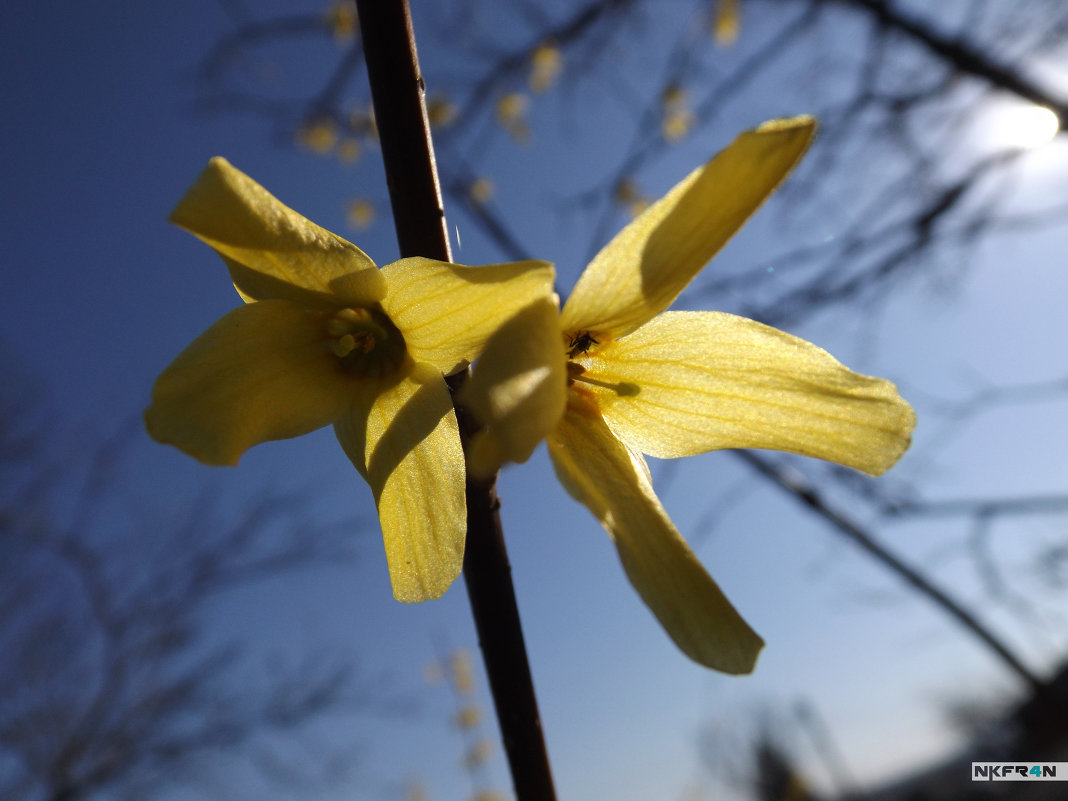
{"x": 397, "y": 90}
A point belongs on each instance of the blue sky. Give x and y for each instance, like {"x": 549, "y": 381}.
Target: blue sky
{"x": 100, "y": 141}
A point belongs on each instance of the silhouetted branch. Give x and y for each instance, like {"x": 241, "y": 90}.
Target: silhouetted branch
{"x": 958, "y": 53}
{"x": 794, "y": 484}
{"x": 104, "y": 631}
{"x": 979, "y": 507}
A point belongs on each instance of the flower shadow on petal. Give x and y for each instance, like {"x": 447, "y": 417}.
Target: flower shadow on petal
{"x": 500, "y": 274}
{"x": 405, "y": 431}
{"x": 358, "y": 288}
{"x": 677, "y": 232}
{"x": 518, "y": 390}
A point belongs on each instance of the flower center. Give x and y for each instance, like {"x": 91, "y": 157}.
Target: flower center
{"x": 577, "y": 373}
{"x": 365, "y": 341}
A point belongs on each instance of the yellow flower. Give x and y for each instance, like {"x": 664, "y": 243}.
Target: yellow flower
{"x": 478, "y": 754}
{"x": 341, "y": 19}
{"x": 727, "y": 23}
{"x": 319, "y": 135}
{"x": 462, "y": 672}
{"x": 511, "y": 112}
{"x": 468, "y": 717}
{"x": 349, "y": 150}
{"x": 327, "y": 337}
{"x": 512, "y": 106}
{"x": 481, "y": 191}
{"x": 679, "y": 118}
{"x": 630, "y": 197}
{"x": 546, "y": 63}
{"x": 640, "y": 380}
{"x": 441, "y": 111}
{"x": 676, "y": 125}
{"x": 361, "y": 213}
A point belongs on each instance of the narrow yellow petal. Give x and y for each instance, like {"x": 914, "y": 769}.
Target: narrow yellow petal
{"x": 690, "y": 382}
{"x": 271, "y": 250}
{"x": 517, "y": 390}
{"x": 262, "y": 372}
{"x": 612, "y": 481}
{"x": 403, "y": 438}
{"x": 644, "y": 268}
{"x": 447, "y": 311}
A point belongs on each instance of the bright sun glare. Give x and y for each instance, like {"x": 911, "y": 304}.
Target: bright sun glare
{"x": 1024, "y": 126}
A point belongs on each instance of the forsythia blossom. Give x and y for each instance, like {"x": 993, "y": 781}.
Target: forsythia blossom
{"x": 727, "y": 22}
{"x": 619, "y": 377}
{"x": 326, "y": 337}
{"x": 546, "y": 63}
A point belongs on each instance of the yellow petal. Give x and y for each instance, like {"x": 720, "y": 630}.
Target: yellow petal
{"x": 644, "y": 268}
{"x": 271, "y": 250}
{"x": 517, "y": 389}
{"x": 447, "y": 311}
{"x": 690, "y": 382}
{"x": 402, "y": 437}
{"x": 262, "y": 372}
{"x": 598, "y": 470}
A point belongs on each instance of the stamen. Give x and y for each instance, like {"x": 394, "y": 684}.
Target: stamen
{"x": 365, "y": 341}
{"x": 353, "y": 315}
{"x": 344, "y": 346}
{"x": 337, "y": 327}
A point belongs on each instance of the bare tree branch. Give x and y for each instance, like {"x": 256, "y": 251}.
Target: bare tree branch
{"x": 108, "y": 645}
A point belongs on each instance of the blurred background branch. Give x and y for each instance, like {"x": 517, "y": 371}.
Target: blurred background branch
{"x": 123, "y": 689}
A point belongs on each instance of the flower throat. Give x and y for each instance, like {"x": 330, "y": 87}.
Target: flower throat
{"x": 365, "y": 341}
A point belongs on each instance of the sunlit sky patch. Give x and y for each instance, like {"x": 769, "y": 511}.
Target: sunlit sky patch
{"x": 1016, "y": 124}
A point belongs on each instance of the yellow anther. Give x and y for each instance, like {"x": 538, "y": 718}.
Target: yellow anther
{"x": 352, "y": 315}
{"x": 365, "y": 341}
{"x": 336, "y": 327}
{"x": 344, "y": 345}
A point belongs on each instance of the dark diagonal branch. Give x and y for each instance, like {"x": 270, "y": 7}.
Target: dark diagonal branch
{"x": 959, "y": 53}
{"x": 800, "y": 490}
